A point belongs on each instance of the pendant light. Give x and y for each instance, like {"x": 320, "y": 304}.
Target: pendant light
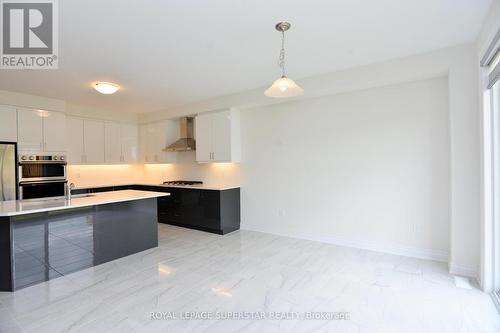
{"x": 284, "y": 86}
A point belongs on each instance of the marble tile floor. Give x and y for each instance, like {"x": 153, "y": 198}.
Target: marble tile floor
{"x": 248, "y": 273}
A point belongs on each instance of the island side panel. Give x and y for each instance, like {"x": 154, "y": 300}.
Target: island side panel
{"x": 51, "y": 244}
{"x": 125, "y": 228}
{"x": 5, "y": 255}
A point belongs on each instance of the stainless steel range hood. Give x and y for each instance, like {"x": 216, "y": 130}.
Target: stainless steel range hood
{"x": 186, "y": 142}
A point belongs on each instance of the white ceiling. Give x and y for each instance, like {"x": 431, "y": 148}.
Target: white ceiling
{"x": 169, "y": 53}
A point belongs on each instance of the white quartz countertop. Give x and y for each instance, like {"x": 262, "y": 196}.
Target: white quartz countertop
{"x": 21, "y": 207}
{"x": 201, "y": 187}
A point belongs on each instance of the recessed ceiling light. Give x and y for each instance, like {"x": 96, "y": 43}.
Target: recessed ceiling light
{"x": 106, "y": 88}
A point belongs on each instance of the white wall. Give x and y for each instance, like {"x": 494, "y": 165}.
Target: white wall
{"x": 91, "y": 112}
{"x": 45, "y": 103}
{"x": 31, "y": 101}
{"x": 460, "y": 65}
{"x": 99, "y": 175}
{"x": 368, "y": 169}
{"x": 216, "y": 174}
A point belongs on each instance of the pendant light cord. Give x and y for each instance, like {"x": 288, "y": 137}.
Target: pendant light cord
{"x": 282, "y": 54}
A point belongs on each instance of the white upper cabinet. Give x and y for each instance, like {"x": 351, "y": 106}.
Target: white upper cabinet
{"x": 218, "y": 137}
{"x": 121, "y": 143}
{"x": 154, "y": 137}
{"x": 29, "y": 130}
{"x": 203, "y": 136}
{"x": 98, "y": 142}
{"x": 148, "y": 144}
{"x": 221, "y": 136}
{"x": 8, "y": 123}
{"x": 54, "y": 131}
{"x": 41, "y": 130}
{"x": 129, "y": 143}
{"x": 143, "y": 143}
{"x": 113, "y": 144}
{"x": 93, "y": 139}
{"x": 74, "y": 141}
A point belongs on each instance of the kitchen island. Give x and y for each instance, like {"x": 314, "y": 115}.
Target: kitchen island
{"x": 44, "y": 239}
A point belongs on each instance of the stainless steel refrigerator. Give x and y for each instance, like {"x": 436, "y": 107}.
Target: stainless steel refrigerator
{"x": 8, "y": 174}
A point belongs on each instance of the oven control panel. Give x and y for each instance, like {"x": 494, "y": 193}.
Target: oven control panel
{"x": 42, "y": 158}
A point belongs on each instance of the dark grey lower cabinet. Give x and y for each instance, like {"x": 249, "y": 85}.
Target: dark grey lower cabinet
{"x": 208, "y": 210}
{"x": 216, "y": 211}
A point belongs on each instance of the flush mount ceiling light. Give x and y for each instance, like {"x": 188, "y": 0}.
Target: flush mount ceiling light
{"x": 106, "y": 88}
{"x": 284, "y": 86}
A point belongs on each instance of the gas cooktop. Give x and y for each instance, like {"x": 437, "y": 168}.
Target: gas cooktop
{"x": 183, "y": 182}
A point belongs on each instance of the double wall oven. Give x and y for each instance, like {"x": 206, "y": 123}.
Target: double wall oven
{"x": 42, "y": 176}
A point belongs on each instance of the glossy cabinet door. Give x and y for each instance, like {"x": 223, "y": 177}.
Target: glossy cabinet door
{"x": 147, "y": 144}
{"x": 112, "y": 143}
{"x": 151, "y": 143}
{"x": 74, "y": 141}
{"x": 93, "y": 136}
{"x": 54, "y": 131}
{"x": 29, "y": 126}
{"x": 143, "y": 143}
{"x": 154, "y": 138}
{"x": 221, "y": 137}
{"x": 129, "y": 143}
{"x": 190, "y": 207}
{"x": 41, "y": 131}
{"x": 203, "y": 138}
{"x": 218, "y": 137}
{"x": 208, "y": 210}
{"x": 97, "y": 142}
{"x": 8, "y": 123}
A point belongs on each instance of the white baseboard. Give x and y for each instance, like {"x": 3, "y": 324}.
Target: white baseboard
{"x": 396, "y": 249}
{"x": 462, "y": 270}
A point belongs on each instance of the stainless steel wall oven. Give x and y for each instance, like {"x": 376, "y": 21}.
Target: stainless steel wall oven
{"x": 42, "y": 176}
